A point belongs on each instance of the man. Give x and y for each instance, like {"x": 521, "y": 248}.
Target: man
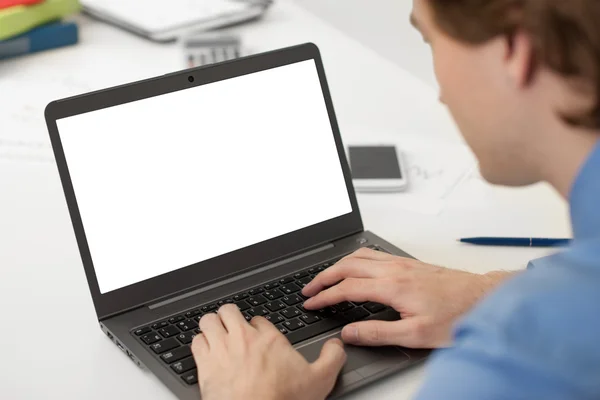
{"x": 522, "y": 80}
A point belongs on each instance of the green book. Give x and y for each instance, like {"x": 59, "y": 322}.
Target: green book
{"x": 20, "y": 19}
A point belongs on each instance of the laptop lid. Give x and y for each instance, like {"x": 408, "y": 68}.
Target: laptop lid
{"x": 183, "y": 180}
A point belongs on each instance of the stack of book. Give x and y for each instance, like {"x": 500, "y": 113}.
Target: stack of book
{"x": 29, "y": 26}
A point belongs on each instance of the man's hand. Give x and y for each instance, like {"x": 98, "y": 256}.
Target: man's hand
{"x": 238, "y": 360}
{"x": 429, "y": 299}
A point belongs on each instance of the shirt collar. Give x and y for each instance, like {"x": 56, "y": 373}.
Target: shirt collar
{"x": 585, "y": 198}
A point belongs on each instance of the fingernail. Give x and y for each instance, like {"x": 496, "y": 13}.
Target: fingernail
{"x": 308, "y": 302}
{"x": 351, "y": 332}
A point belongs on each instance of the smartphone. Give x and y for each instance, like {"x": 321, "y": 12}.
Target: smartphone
{"x": 377, "y": 169}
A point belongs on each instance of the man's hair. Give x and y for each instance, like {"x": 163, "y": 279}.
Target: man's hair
{"x": 565, "y": 34}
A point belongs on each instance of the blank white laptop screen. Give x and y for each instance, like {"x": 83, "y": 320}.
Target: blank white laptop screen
{"x": 170, "y": 181}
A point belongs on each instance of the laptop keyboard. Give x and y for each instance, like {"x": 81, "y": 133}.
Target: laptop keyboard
{"x": 280, "y": 302}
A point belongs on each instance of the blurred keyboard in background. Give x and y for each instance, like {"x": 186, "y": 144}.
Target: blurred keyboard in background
{"x": 210, "y": 48}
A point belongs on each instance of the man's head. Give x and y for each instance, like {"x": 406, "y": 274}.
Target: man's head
{"x": 520, "y": 77}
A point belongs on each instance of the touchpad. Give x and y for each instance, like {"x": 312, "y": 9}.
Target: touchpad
{"x": 365, "y": 361}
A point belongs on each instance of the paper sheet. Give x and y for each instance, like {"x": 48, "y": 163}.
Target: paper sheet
{"x": 23, "y": 132}
{"x": 434, "y": 174}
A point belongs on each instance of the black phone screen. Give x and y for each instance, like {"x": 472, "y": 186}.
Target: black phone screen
{"x": 374, "y": 162}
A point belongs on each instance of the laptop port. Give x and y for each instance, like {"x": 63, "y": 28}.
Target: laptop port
{"x": 110, "y": 336}
{"x": 119, "y": 345}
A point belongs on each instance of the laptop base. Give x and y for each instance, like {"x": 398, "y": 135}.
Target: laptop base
{"x": 364, "y": 365}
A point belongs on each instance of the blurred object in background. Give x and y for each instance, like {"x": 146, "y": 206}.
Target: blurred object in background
{"x": 19, "y": 19}
{"x": 45, "y": 37}
{"x": 12, "y": 3}
{"x": 209, "y": 48}
{"x": 28, "y": 26}
{"x": 167, "y": 21}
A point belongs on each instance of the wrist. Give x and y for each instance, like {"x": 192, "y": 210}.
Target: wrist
{"x": 496, "y": 278}
{"x": 486, "y": 283}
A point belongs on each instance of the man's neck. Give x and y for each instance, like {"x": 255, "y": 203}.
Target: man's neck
{"x": 568, "y": 153}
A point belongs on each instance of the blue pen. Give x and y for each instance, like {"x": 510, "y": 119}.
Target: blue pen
{"x": 517, "y": 242}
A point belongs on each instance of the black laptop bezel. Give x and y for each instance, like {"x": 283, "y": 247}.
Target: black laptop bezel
{"x": 188, "y": 278}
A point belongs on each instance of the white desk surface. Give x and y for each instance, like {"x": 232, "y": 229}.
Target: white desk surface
{"x": 52, "y": 347}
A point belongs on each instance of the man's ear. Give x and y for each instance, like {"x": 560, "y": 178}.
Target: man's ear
{"x": 520, "y": 59}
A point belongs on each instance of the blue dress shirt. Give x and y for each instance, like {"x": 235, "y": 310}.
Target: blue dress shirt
{"x": 538, "y": 336}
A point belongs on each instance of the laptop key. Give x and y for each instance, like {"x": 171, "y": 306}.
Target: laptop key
{"x": 359, "y": 303}
{"x": 304, "y": 281}
{"x": 177, "y": 354}
{"x": 275, "y": 305}
{"x": 176, "y": 319}
{"x": 193, "y": 313}
{"x": 356, "y": 314}
{"x": 165, "y": 345}
{"x": 374, "y": 307}
{"x": 209, "y": 308}
{"x": 190, "y": 377}
{"x": 270, "y": 286}
{"x": 248, "y": 317}
{"x": 291, "y": 312}
{"x": 187, "y": 325}
{"x": 185, "y": 365}
{"x": 221, "y": 303}
{"x": 159, "y": 325}
{"x": 197, "y": 331}
{"x": 272, "y": 294}
{"x": 291, "y": 300}
{"x": 311, "y": 318}
{"x": 289, "y": 288}
{"x": 256, "y": 291}
{"x": 344, "y": 306}
{"x": 286, "y": 280}
{"x": 242, "y": 305}
{"x": 258, "y": 311}
{"x": 256, "y": 300}
{"x": 142, "y": 331}
{"x": 240, "y": 296}
{"x": 304, "y": 310}
{"x": 313, "y": 270}
{"x": 301, "y": 274}
{"x": 151, "y": 338}
{"x": 186, "y": 337}
{"x": 168, "y": 331}
{"x": 329, "y": 312}
{"x": 293, "y": 324}
{"x": 274, "y": 318}
{"x": 282, "y": 329}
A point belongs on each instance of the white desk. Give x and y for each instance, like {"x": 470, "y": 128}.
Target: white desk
{"x": 52, "y": 347}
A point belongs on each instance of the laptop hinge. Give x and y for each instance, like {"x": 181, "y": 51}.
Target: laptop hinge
{"x": 240, "y": 277}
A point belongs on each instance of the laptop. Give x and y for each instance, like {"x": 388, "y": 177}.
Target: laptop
{"x": 164, "y": 22}
{"x": 221, "y": 184}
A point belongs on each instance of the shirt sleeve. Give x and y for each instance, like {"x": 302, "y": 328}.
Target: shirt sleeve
{"x": 475, "y": 368}
{"x": 507, "y": 349}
